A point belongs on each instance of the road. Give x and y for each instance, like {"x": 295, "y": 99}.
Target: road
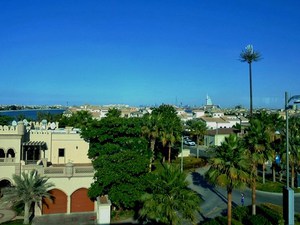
{"x": 215, "y": 198}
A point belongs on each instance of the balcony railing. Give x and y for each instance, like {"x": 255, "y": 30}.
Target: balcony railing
{"x": 62, "y": 171}
{"x": 7, "y": 160}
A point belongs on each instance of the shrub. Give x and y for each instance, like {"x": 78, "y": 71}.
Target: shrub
{"x": 271, "y": 215}
{"x": 191, "y": 162}
{"x": 258, "y": 220}
{"x": 222, "y": 220}
{"x": 211, "y": 222}
{"x": 240, "y": 213}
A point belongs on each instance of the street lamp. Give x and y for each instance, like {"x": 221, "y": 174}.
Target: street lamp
{"x": 288, "y": 193}
{"x": 181, "y": 163}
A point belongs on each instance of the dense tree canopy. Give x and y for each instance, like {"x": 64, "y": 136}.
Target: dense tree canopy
{"x": 169, "y": 127}
{"x": 5, "y": 120}
{"x": 120, "y": 156}
{"x": 79, "y": 119}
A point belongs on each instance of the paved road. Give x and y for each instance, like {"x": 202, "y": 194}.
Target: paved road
{"x": 215, "y": 198}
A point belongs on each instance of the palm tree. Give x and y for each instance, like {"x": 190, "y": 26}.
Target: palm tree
{"x": 294, "y": 143}
{"x": 170, "y": 127}
{"x": 30, "y": 188}
{"x": 168, "y": 138}
{"x": 198, "y": 129}
{"x": 257, "y": 141}
{"x": 229, "y": 168}
{"x": 169, "y": 200}
{"x": 150, "y": 129}
{"x": 249, "y": 55}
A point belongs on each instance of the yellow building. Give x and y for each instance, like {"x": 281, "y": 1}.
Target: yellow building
{"x": 60, "y": 154}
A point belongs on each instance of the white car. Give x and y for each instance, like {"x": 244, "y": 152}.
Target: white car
{"x": 189, "y": 142}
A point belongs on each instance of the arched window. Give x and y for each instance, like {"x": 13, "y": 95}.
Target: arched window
{"x": 10, "y": 153}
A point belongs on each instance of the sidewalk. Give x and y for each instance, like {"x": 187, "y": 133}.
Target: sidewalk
{"x": 6, "y": 215}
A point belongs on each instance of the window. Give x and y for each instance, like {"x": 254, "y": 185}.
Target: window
{"x": 61, "y": 152}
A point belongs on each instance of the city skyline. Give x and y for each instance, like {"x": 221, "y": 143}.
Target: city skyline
{"x": 147, "y": 52}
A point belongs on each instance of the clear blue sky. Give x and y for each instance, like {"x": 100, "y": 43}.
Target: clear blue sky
{"x": 140, "y": 52}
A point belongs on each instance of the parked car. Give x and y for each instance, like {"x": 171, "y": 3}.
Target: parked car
{"x": 189, "y": 143}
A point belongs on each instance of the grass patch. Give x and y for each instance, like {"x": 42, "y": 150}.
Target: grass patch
{"x": 14, "y": 222}
{"x": 270, "y": 186}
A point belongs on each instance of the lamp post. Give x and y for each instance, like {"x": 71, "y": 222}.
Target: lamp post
{"x": 181, "y": 163}
{"x": 288, "y": 193}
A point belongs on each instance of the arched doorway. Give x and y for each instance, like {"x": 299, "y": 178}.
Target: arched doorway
{"x": 4, "y": 184}
{"x": 80, "y": 202}
{"x": 58, "y": 205}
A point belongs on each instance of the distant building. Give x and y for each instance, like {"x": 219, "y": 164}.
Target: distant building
{"x": 217, "y": 136}
{"x": 209, "y": 104}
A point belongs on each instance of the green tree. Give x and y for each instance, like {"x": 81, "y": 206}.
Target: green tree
{"x": 150, "y": 130}
{"x": 257, "y": 141}
{"x": 5, "y": 120}
{"x": 30, "y": 188}
{"x": 168, "y": 199}
{"x": 294, "y": 146}
{"x": 79, "y": 119}
{"x": 113, "y": 112}
{"x": 198, "y": 129}
{"x": 48, "y": 116}
{"x": 265, "y": 135}
{"x": 170, "y": 127}
{"x": 249, "y": 55}
{"x": 120, "y": 157}
{"x": 229, "y": 168}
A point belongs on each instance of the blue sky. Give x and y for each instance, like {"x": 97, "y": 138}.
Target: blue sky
{"x": 140, "y": 52}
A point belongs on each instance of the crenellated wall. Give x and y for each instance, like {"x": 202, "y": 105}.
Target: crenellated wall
{"x": 13, "y": 130}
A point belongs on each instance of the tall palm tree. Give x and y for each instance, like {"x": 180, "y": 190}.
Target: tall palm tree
{"x": 169, "y": 200}
{"x": 229, "y": 168}
{"x": 249, "y": 55}
{"x": 30, "y": 188}
{"x": 198, "y": 129}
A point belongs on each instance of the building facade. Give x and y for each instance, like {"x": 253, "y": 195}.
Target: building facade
{"x": 60, "y": 154}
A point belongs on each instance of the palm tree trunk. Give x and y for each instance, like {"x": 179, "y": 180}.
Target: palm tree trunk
{"x": 264, "y": 172}
{"x": 274, "y": 172}
{"x": 26, "y": 213}
{"x": 250, "y": 80}
{"x": 152, "y": 145}
{"x": 197, "y": 146}
{"x": 253, "y": 187}
{"x": 293, "y": 176}
{"x": 229, "y": 206}
{"x": 169, "y": 160}
{"x": 253, "y": 196}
